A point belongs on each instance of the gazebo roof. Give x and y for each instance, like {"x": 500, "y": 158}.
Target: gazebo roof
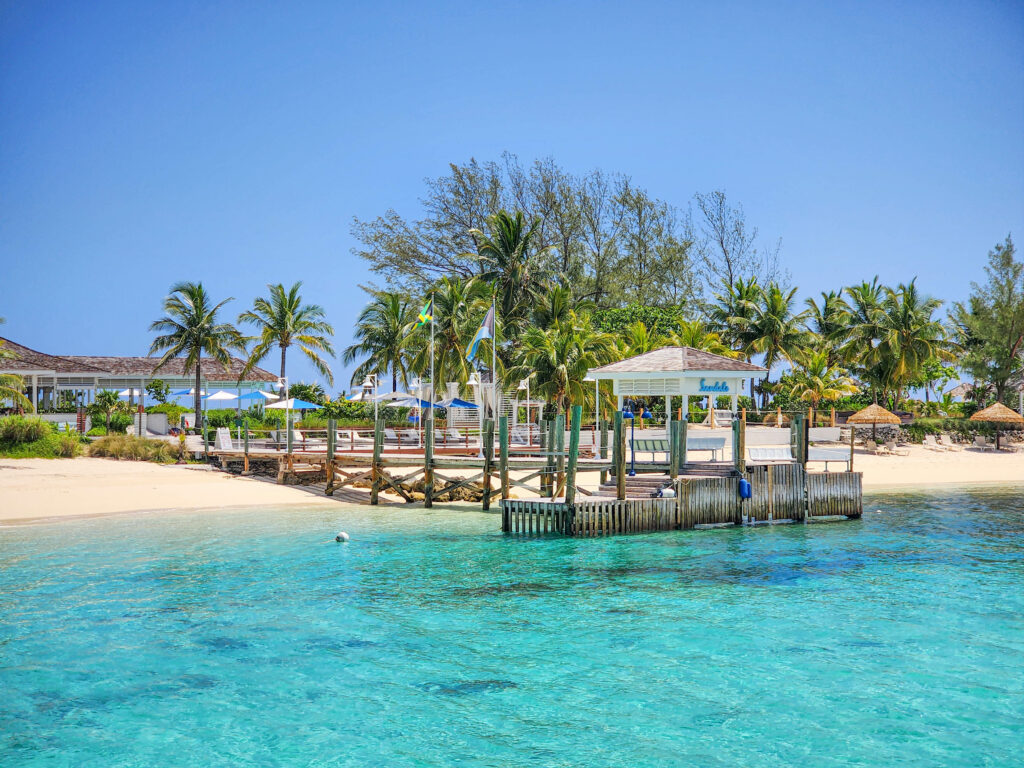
{"x": 679, "y": 360}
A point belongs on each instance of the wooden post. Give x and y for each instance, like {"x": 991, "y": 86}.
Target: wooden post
{"x": 428, "y": 464}
{"x": 549, "y": 486}
{"x": 503, "y": 456}
{"x": 682, "y": 443}
{"x": 378, "y": 442}
{"x": 560, "y": 453}
{"x": 853, "y": 433}
{"x": 288, "y": 431}
{"x": 673, "y": 450}
{"x": 832, "y": 417}
{"x": 488, "y": 445}
{"x": 711, "y": 411}
{"x": 778, "y": 416}
{"x": 743, "y": 442}
{"x": 810, "y": 415}
{"x": 574, "y": 454}
{"x": 332, "y": 437}
{"x": 736, "y": 444}
{"x": 604, "y": 449}
{"x": 620, "y": 458}
{"x": 245, "y": 444}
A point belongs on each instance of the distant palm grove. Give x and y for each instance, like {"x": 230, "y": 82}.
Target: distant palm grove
{"x": 586, "y": 270}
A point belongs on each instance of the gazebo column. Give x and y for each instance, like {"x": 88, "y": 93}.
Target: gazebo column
{"x": 735, "y": 403}
{"x": 668, "y": 416}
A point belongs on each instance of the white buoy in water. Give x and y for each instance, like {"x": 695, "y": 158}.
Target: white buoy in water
{"x": 342, "y": 537}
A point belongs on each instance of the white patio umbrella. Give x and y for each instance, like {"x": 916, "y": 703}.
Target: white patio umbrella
{"x": 129, "y": 392}
{"x": 222, "y": 395}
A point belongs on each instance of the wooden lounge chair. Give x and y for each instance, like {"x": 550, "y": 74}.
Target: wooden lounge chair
{"x": 892, "y": 448}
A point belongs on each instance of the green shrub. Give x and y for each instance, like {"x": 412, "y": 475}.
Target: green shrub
{"x": 120, "y": 422}
{"x": 134, "y": 449}
{"x": 173, "y": 411}
{"x": 68, "y": 444}
{"x": 23, "y": 429}
{"x": 97, "y": 431}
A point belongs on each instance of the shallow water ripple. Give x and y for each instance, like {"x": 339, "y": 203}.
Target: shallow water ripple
{"x": 221, "y": 639}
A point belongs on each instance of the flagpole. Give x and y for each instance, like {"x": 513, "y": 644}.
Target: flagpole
{"x": 433, "y": 388}
{"x": 494, "y": 367}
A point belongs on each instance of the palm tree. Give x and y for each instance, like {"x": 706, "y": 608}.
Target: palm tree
{"x": 908, "y": 335}
{"x": 509, "y": 258}
{"x": 638, "y": 339}
{"x": 105, "y": 403}
{"x": 459, "y": 308}
{"x": 816, "y": 380}
{"x": 283, "y": 320}
{"x": 693, "y": 333}
{"x": 555, "y": 305}
{"x": 381, "y": 338}
{"x": 772, "y": 328}
{"x": 830, "y": 321}
{"x": 191, "y": 328}
{"x": 12, "y": 386}
{"x": 559, "y": 359}
{"x": 732, "y": 308}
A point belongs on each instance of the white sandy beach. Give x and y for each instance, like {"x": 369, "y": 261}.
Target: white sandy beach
{"x": 42, "y": 489}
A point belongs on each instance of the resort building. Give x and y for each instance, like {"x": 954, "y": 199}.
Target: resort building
{"x": 55, "y": 382}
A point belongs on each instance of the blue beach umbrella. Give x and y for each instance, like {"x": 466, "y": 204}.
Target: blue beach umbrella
{"x": 296, "y": 405}
{"x": 455, "y": 402}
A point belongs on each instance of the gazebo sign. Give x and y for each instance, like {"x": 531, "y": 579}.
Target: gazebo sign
{"x": 720, "y": 387}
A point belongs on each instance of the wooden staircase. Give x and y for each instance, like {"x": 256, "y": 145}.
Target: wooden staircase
{"x": 637, "y": 487}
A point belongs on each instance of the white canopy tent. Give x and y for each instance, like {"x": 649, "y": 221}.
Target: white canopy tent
{"x": 672, "y": 371}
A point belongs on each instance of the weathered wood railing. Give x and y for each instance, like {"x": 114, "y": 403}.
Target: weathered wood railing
{"x": 781, "y": 492}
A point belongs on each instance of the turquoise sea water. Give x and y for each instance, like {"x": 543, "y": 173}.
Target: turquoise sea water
{"x": 430, "y": 639}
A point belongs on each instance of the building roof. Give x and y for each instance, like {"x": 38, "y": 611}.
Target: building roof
{"x": 144, "y": 366}
{"x": 26, "y": 359}
{"x": 677, "y": 360}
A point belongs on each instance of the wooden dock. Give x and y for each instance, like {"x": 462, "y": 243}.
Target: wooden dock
{"x": 708, "y": 495}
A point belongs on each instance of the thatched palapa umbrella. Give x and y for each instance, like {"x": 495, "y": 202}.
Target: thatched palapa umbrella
{"x": 999, "y": 414}
{"x": 874, "y": 414}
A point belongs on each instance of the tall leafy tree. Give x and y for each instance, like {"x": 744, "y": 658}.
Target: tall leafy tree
{"x": 732, "y": 309}
{"x": 380, "y": 334}
{"x": 191, "y": 328}
{"x": 990, "y": 324}
{"x": 773, "y": 329}
{"x": 282, "y": 321}
{"x": 859, "y": 350}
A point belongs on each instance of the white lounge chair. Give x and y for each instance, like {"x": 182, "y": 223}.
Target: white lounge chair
{"x": 947, "y": 442}
{"x": 411, "y": 436}
{"x": 982, "y": 444}
{"x": 879, "y": 450}
{"x": 896, "y": 450}
{"x": 930, "y": 444}
{"x": 390, "y": 436}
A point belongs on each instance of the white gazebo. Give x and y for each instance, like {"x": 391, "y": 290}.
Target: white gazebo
{"x": 682, "y": 371}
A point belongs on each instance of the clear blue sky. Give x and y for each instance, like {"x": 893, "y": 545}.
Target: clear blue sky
{"x": 145, "y": 143}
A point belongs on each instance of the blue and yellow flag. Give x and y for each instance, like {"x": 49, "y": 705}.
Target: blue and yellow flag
{"x": 486, "y": 331}
{"x": 426, "y": 314}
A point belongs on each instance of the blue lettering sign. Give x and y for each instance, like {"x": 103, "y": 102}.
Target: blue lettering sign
{"x": 718, "y": 386}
